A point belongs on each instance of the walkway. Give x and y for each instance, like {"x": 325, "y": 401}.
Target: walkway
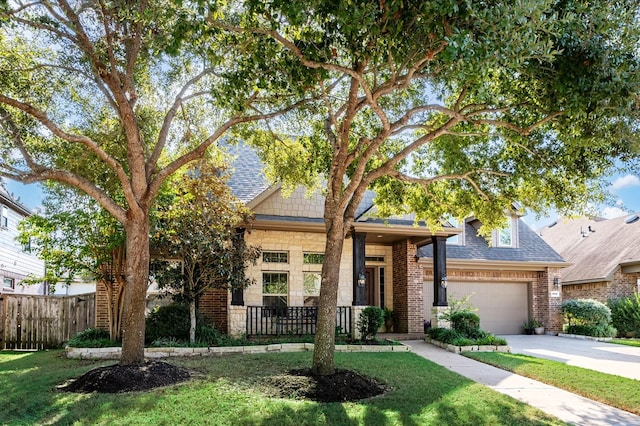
{"x": 566, "y": 406}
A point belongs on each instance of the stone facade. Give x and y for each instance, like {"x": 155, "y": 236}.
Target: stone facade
{"x": 296, "y": 205}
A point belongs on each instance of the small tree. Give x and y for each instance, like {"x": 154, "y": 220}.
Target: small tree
{"x": 371, "y": 319}
{"x": 197, "y": 228}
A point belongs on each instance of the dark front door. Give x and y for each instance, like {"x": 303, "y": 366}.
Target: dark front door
{"x": 370, "y": 274}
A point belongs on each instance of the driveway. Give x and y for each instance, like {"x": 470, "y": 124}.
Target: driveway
{"x": 600, "y": 356}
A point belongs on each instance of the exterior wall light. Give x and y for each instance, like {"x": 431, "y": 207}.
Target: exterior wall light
{"x": 444, "y": 282}
{"x": 362, "y": 280}
{"x": 556, "y": 281}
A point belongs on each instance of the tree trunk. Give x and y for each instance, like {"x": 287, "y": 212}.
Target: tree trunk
{"x": 137, "y": 275}
{"x": 192, "y": 317}
{"x": 326, "y": 329}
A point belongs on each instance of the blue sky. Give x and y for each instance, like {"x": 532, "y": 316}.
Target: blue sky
{"x": 624, "y": 188}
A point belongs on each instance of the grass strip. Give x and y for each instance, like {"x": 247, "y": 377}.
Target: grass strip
{"x": 627, "y": 342}
{"x": 616, "y": 391}
{"x": 229, "y": 390}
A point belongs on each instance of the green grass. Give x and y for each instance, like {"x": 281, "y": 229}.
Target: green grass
{"x": 226, "y": 390}
{"x": 620, "y": 392}
{"x": 627, "y": 342}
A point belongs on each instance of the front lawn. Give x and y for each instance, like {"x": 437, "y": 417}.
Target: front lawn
{"x": 228, "y": 390}
{"x": 620, "y": 392}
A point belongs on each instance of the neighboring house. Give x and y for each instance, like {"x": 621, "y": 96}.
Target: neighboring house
{"x": 389, "y": 263}
{"x": 16, "y": 260}
{"x": 604, "y": 255}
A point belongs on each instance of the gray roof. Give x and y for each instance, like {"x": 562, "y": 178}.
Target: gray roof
{"x": 9, "y": 199}
{"x": 595, "y": 246}
{"x": 531, "y": 248}
{"x": 247, "y": 172}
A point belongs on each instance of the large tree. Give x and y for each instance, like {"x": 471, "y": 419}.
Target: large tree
{"x": 448, "y": 107}
{"x": 137, "y": 89}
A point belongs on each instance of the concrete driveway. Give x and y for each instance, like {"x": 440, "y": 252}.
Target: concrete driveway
{"x": 600, "y": 356}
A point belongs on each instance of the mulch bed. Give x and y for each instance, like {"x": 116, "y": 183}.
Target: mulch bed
{"x": 127, "y": 378}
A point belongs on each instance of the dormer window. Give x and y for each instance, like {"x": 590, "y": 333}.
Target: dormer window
{"x": 506, "y": 237}
{"x": 456, "y": 239}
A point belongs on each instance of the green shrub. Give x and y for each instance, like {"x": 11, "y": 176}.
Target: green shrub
{"x": 172, "y": 321}
{"x": 464, "y": 321}
{"x": 92, "y": 338}
{"x": 588, "y": 317}
{"x": 371, "y": 319}
{"x": 625, "y": 315}
{"x": 444, "y": 335}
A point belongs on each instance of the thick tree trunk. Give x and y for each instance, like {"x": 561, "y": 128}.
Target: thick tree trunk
{"x": 137, "y": 274}
{"x": 326, "y": 329}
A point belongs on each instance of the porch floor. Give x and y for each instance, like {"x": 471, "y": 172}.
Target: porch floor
{"x": 401, "y": 336}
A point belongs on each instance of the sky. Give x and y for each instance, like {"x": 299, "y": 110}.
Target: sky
{"x": 624, "y": 188}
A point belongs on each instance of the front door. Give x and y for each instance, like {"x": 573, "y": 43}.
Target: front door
{"x": 370, "y": 274}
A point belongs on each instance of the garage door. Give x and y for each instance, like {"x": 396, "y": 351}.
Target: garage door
{"x": 502, "y": 307}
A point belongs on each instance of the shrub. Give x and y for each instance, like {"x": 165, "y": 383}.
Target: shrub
{"x": 445, "y": 335}
{"x": 371, "y": 319}
{"x": 465, "y": 322}
{"x": 625, "y": 315}
{"x": 92, "y": 338}
{"x": 588, "y": 317}
{"x": 172, "y": 321}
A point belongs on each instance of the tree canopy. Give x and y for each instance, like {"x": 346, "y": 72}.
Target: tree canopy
{"x": 449, "y": 107}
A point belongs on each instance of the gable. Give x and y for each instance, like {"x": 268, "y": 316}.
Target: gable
{"x": 298, "y": 205}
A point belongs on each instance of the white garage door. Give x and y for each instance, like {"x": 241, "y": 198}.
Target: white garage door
{"x": 502, "y": 307}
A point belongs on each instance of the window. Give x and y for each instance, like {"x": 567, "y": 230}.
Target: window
{"x": 505, "y": 235}
{"x": 311, "y": 281}
{"x": 4, "y": 221}
{"x": 379, "y": 259}
{"x": 8, "y": 283}
{"x": 26, "y": 247}
{"x": 456, "y": 239}
{"x": 275, "y": 257}
{"x": 313, "y": 258}
{"x": 381, "y": 281}
{"x": 275, "y": 289}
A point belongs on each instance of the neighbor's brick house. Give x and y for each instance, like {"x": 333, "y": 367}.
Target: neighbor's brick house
{"x": 604, "y": 255}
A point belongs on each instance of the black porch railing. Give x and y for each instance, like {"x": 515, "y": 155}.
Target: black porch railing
{"x": 292, "y": 320}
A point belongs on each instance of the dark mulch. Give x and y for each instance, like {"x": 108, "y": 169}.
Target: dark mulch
{"x": 344, "y": 385}
{"x": 127, "y": 378}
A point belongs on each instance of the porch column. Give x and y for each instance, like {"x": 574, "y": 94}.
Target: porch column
{"x": 359, "y": 291}
{"x": 408, "y": 304}
{"x": 237, "y": 294}
{"x": 439, "y": 271}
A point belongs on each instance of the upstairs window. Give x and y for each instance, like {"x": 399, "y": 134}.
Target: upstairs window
{"x": 4, "y": 220}
{"x": 275, "y": 257}
{"x": 456, "y": 239}
{"x": 506, "y": 235}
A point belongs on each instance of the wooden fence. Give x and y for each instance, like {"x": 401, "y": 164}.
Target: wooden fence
{"x": 43, "y": 322}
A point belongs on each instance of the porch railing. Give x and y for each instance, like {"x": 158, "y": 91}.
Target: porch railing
{"x": 292, "y": 320}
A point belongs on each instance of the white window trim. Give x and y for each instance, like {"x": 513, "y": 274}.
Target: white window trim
{"x": 4, "y": 217}
{"x": 513, "y": 224}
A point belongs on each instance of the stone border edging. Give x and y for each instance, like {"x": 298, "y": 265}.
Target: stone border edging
{"x": 581, "y": 337}
{"x": 473, "y": 348}
{"x": 114, "y": 352}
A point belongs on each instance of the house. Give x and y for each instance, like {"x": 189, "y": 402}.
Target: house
{"x": 392, "y": 264}
{"x": 604, "y": 255}
{"x": 16, "y": 260}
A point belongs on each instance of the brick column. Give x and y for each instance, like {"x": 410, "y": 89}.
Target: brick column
{"x": 213, "y": 305}
{"x": 547, "y": 301}
{"x": 407, "y": 289}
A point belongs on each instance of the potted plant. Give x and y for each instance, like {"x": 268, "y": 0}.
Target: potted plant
{"x": 528, "y": 328}
{"x": 538, "y": 327}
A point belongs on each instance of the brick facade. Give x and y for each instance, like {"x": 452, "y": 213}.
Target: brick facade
{"x": 213, "y": 305}
{"x": 102, "y": 304}
{"x": 407, "y": 289}
{"x": 546, "y": 308}
{"x": 622, "y": 285}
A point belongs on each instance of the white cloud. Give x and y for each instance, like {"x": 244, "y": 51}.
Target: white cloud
{"x": 625, "y": 182}
{"x": 613, "y": 212}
